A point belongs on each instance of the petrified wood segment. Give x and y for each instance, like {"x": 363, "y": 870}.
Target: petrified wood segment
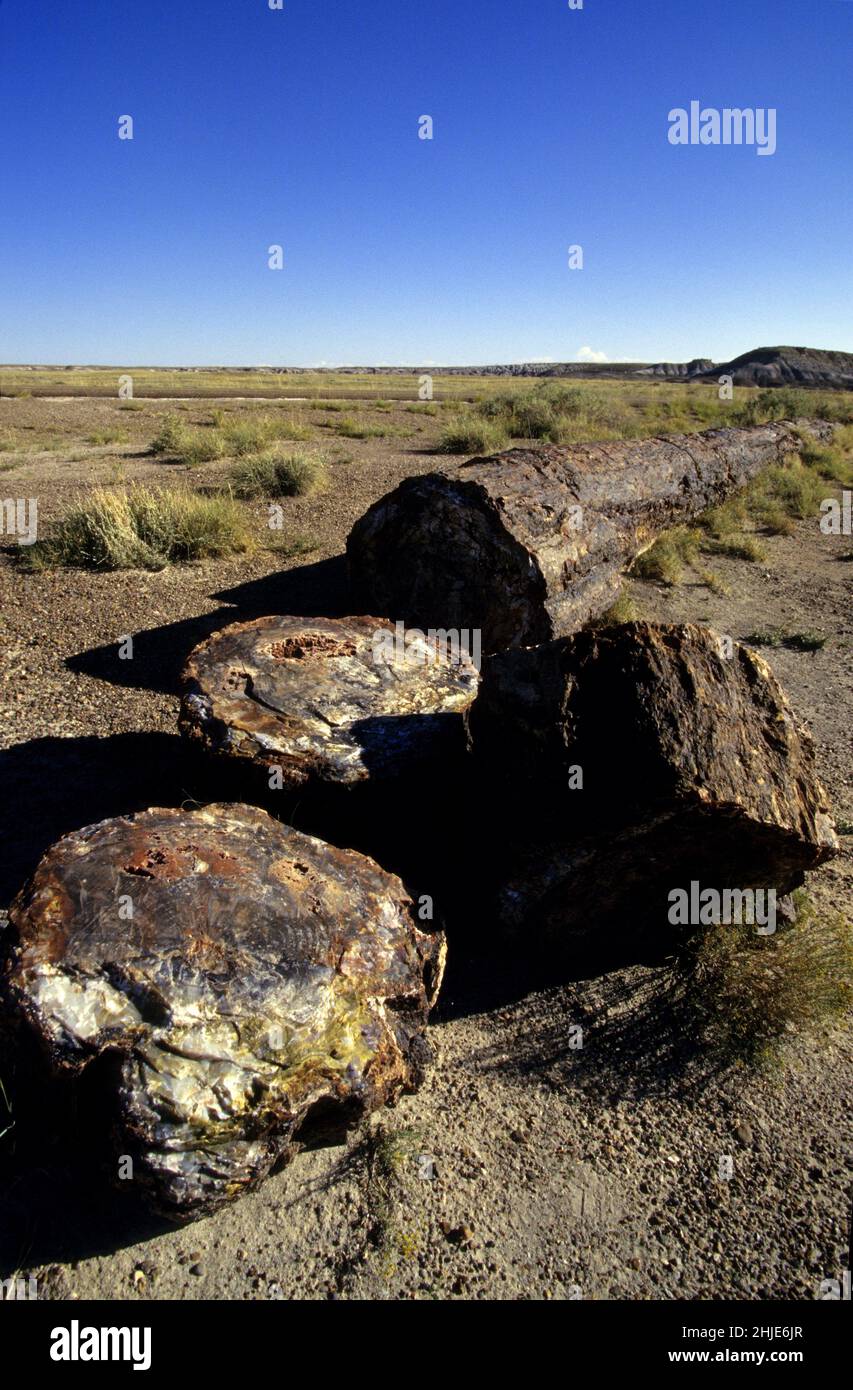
{"x": 645, "y": 757}
{"x": 252, "y": 984}
{"x": 327, "y": 700}
{"x": 529, "y": 545}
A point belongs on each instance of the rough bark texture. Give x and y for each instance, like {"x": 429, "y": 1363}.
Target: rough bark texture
{"x": 692, "y": 768}
{"x": 267, "y": 987}
{"x": 325, "y": 700}
{"x": 529, "y": 545}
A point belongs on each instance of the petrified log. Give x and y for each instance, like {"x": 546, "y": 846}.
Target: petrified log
{"x": 641, "y": 759}
{"x": 529, "y": 545}
{"x": 254, "y": 986}
{"x": 338, "y": 701}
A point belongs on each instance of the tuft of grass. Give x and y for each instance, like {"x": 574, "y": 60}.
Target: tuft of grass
{"x": 108, "y": 437}
{"x": 623, "y": 610}
{"x": 348, "y": 428}
{"x": 738, "y": 548}
{"x": 794, "y": 641}
{"x": 131, "y": 405}
{"x": 274, "y": 474}
{"x": 464, "y": 434}
{"x": 177, "y": 441}
{"x": 783, "y": 494}
{"x": 141, "y": 528}
{"x": 713, "y": 582}
{"x": 805, "y": 641}
{"x": 666, "y": 560}
{"x": 748, "y": 991}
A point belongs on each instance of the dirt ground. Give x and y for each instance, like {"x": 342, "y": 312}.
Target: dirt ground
{"x": 523, "y": 1168}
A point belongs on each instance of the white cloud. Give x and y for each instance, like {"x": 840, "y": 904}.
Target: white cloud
{"x": 588, "y": 354}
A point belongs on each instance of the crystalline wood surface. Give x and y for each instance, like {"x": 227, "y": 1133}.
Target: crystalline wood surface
{"x": 326, "y": 700}
{"x": 248, "y": 980}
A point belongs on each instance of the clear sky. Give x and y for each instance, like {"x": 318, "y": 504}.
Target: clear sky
{"x": 299, "y": 127}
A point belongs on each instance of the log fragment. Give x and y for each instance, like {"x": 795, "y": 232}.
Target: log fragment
{"x": 254, "y": 986}
{"x": 336, "y": 701}
{"x": 530, "y": 544}
{"x": 634, "y": 761}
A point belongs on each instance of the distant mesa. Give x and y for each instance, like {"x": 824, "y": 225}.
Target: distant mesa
{"x": 764, "y": 366}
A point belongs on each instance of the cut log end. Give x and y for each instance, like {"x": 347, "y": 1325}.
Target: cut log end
{"x": 529, "y": 545}
{"x": 249, "y": 979}
{"x": 327, "y": 700}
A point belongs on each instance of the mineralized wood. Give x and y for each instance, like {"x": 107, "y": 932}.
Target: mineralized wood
{"x": 327, "y": 700}
{"x": 529, "y": 545}
{"x": 631, "y": 761}
{"x": 253, "y": 985}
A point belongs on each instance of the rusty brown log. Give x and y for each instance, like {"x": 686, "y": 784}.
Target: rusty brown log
{"x": 254, "y": 987}
{"x": 633, "y": 761}
{"x": 530, "y": 544}
{"x": 327, "y": 701}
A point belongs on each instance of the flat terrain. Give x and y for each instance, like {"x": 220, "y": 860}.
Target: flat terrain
{"x": 523, "y": 1169}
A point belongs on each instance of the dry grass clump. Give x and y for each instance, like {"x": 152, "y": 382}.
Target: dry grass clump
{"x": 276, "y": 474}
{"x": 465, "y": 434}
{"x": 748, "y": 991}
{"x": 666, "y": 560}
{"x": 142, "y": 528}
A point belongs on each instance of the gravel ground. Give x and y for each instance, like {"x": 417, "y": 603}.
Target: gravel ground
{"x": 524, "y": 1168}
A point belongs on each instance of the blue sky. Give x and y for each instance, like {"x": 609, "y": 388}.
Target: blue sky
{"x": 299, "y": 127}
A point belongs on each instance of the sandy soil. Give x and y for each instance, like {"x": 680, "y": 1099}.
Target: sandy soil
{"x": 523, "y": 1169}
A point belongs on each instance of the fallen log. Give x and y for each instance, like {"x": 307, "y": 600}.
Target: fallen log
{"x": 254, "y": 987}
{"x": 334, "y": 701}
{"x": 530, "y": 544}
{"x": 634, "y": 761}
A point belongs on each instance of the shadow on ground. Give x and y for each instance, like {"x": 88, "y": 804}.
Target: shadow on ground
{"x": 159, "y": 653}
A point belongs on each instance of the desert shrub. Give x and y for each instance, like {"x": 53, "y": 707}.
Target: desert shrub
{"x": 666, "y": 560}
{"x": 465, "y": 434}
{"x": 791, "y": 489}
{"x": 714, "y": 582}
{"x": 746, "y": 991}
{"x": 794, "y": 641}
{"x": 348, "y": 428}
{"x": 107, "y": 437}
{"x": 724, "y": 521}
{"x": 275, "y": 474}
{"x": 832, "y": 461}
{"x": 182, "y": 444}
{"x": 141, "y": 528}
{"x": 622, "y": 610}
{"x": 737, "y": 547}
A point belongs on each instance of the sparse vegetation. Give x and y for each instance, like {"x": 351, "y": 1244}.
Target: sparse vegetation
{"x": 108, "y": 437}
{"x": 275, "y": 474}
{"x": 666, "y": 560}
{"x": 624, "y": 610}
{"x": 747, "y": 990}
{"x": 467, "y": 435}
{"x": 794, "y": 641}
{"x": 141, "y": 528}
{"x": 180, "y": 443}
